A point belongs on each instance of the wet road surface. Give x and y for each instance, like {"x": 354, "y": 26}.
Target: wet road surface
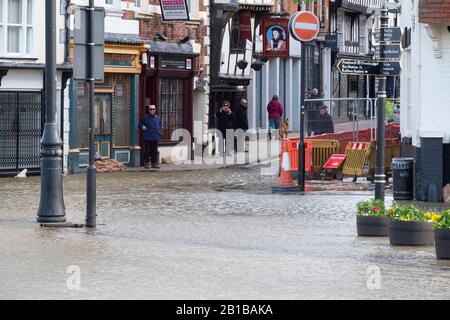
{"x": 212, "y": 234}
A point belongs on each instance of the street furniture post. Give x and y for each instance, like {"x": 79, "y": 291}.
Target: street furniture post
{"x": 51, "y": 205}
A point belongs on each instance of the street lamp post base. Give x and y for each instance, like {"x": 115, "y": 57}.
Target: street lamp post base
{"x": 51, "y": 219}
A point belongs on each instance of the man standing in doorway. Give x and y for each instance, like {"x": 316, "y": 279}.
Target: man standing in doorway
{"x": 241, "y": 123}
{"x": 151, "y": 124}
{"x": 225, "y": 120}
{"x": 275, "y": 111}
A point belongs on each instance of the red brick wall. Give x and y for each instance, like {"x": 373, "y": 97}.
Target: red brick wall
{"x": 175, "y": 31}
{"x": 434, "y": 11}
{"x": 127, "y": 14}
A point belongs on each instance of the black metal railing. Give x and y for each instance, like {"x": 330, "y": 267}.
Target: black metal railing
{"x": 21, "y": 125}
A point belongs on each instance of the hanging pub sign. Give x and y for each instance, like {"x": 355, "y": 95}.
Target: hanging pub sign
{"x": 245, "y": 26}
{"x": 174, "y": 10}
{"x": 275, "y": 34}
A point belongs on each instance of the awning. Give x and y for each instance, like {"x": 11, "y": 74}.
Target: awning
{"x": 159, "y": 47}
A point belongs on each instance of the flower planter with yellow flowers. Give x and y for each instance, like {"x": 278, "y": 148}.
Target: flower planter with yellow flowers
{"x": 442, "y": 235}
{"x": 409, "y": 226}
{"x": 371, "y": 220}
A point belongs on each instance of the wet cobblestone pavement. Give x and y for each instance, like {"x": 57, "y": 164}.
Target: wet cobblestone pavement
{"x": 210, "y": 234}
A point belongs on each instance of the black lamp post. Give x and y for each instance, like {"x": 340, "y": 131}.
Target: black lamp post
{"x": 51, "y": 206}
{"x": 91, "y": 191}
{"x": 380, "y": 178}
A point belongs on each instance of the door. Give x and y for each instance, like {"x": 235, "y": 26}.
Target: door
{"x": 103, "y": 130}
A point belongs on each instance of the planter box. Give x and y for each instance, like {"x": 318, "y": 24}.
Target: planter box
{"x": 372, "y": 226}
{"x": 442, "y": 239}
{"x": 410, "y": 233}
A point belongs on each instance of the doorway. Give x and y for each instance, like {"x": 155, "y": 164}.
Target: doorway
{"x": 103, "y": 123}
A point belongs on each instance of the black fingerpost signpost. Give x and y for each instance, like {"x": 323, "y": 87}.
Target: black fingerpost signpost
{"x": 89, "y": 66}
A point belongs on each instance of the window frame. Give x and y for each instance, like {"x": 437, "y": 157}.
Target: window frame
{"x": 24, "y": 26}
{"x": 114, "y": 6}
{"x": 168, "y": 105}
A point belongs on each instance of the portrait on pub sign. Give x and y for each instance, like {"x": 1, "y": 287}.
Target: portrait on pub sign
{"x": 275, "y": 37}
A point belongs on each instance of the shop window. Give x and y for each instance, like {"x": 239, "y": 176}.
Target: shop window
{"x": 111, "y": 108}
{"x": 102, "y": 110}
{"x": 122, "y": 111}
{"x": 170, "y": 105}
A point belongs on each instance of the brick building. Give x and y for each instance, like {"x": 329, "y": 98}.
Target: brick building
{"x": 175, "y": 70}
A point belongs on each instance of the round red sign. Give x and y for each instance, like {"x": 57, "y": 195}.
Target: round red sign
{"x": 304, "y": 26}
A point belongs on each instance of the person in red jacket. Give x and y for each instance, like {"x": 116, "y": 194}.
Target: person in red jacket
{"x": 275, "y": 111}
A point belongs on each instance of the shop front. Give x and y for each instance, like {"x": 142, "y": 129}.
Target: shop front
{"x": 167, "y": 82}
{"x": 115, "y": 109}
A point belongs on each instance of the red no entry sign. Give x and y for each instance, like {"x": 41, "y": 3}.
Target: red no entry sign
{"x": 304, "y": 26}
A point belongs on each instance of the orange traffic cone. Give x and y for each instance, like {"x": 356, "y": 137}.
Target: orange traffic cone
{"x": 285, "y": 181}
{"x": 285, "y": 167}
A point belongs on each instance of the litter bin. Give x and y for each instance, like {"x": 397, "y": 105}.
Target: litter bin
{"x": 402, "y": 172}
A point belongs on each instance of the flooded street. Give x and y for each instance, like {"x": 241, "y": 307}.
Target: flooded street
{"x": 211, "y": 234}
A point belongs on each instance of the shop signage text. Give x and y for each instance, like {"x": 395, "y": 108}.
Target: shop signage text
{"x": 174, "y": 10}
{"x": 119, "y": 60}
{"x": 176, "y": 63}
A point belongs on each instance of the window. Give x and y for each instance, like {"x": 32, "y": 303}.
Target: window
{"x": 117, "y": 4}
{"x": 236, "y": 45}
{"x": 170, "y": 105}
{"x": 16, "y": 27}
{"x": 121, "y": 118}
{"x": 137, "y": 3}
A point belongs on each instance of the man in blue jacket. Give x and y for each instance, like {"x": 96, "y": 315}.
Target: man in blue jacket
{"x": 151, "y": 124}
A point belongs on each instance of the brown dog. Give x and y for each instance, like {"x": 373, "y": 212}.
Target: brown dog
{"x": 284, "y": 125}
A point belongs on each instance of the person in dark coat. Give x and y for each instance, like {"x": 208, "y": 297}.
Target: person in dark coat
{"x": 241, "y": 115}
{"x": 312, "y": 112}
{"x": 241, "y": 123}
{"x": 275, "y": 111}
{"x": 225, "y": 120}
{"x": 151, "y": 124}
{"x": 324, "y": 122}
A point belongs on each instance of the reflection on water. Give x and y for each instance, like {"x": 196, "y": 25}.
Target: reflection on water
{"x": 213, "y": 234}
